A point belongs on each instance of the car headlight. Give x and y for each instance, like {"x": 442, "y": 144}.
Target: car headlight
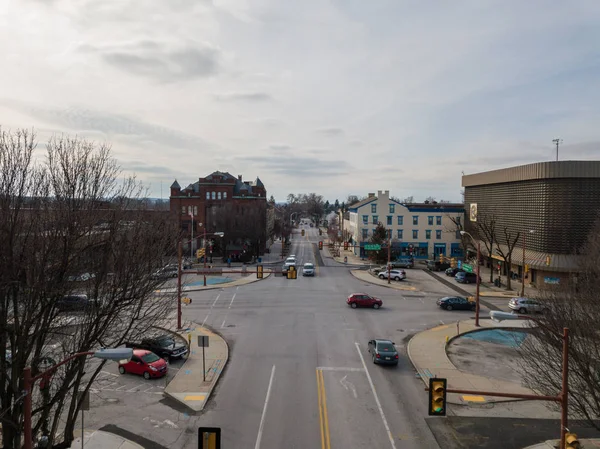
{"x": 153, "y": 368}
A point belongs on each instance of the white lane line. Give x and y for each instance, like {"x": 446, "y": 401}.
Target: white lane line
{"x": 232, "y": 300}
{"x": 441, "y": 322}
{"x": 122, "y": 386}
{"x": 223, "y": 324}
{"x": 385, "y": 423}
{"x": 211, "y": 307}
{"x": 262, "y": 418}
{"x": 216, "y": 299}
{"x": 110, "y": 374}
{"x": 338, "y": 368}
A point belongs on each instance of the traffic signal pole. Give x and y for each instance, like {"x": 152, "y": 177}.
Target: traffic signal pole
{"x": 389, "y": 257}
{"x": 477, "y": 282}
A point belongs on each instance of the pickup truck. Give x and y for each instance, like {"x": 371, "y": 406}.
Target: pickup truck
{"x": 164, "y": 346}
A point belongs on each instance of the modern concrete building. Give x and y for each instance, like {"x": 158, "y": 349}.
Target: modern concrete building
{"x": 554, "y": 204}
{"x": 423, "y": 230}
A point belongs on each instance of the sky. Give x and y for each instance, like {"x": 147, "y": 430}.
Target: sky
{"x": 336, "y": 97}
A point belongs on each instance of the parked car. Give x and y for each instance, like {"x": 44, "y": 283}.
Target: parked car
{"x": 437, "y": 265}
{"x": 163, "y": 345}
{"x": 466, "y": 278}
{"x": 169, "y": 271}
{"x": 83, "y": 277}
{"x": 363, "y": 300}
{"x": 383, "y": 352}
{"x": 75, "y": 302}
{"x": 144, "y": 363}
{"x": 397, "y": 275}
{"x": 403, "y": 263}
{"x": 308, "y": 269}
{"x": 453, "y": 271}
{"x": 455, "y": 303}
{"x": 526, "y": 305}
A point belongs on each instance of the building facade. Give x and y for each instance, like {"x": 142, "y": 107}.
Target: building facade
{"x": 553, "y": 204}
{"x": 423, "y": 230}
{"x": 221, "y": 202}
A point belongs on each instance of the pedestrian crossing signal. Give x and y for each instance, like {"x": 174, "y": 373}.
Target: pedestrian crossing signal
{"x": 346, "y": 245}
{"x": 437, "y": 397}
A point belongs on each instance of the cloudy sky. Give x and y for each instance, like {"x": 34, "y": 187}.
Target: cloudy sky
{"x": 333, "y": 96}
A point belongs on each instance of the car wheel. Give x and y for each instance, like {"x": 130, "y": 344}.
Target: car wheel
{"x": 146, "y": 375}
{"x": 381, "y": 276}
{"x": 353, "y": 305}
{"x": 376, "y": 306}
{"x": 122, "y": 369}
{"x": 522, "y": 310}
{"x": 397, "y": 278}
{"x": 448, "y": 307}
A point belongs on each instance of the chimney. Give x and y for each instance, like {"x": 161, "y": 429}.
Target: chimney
{"x": 371, "y": 195}
{"x": 240, "y": 177}
{"x": 379, "y": 193}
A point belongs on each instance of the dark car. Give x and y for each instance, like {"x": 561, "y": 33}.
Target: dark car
{"x": 453, "y": 271}
{"x": 455, "y": 303}
{"x": 437, "y": 266}
{"x": 75, "y": 302}
{"x": 363, "y": 300}
{"x": 383, "y": 352}
{"x": 466, "y": 278}
{"x": 163, "y": 345}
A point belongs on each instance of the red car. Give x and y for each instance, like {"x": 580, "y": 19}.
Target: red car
{"x": 144, "y": 363}
{"x": 363, "y": 300}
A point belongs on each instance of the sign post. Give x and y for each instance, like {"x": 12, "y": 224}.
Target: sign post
{"x": 203, "y": 342}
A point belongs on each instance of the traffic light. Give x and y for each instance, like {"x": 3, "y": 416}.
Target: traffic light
{"x": 320, "y": 244}
{"x": 453, "y": 262}
{"x": 526, "y": 268}
{"x": 345, "y": 245}
{"x": 548, "y": 261}
{"x": 303, "y": 233}
{"x": 320, "y": 232}
{"x": 292, "y": 273}
{"x": 259, "y": 272}
{"x": 441, "y": 258}
{"x": 200, "y": 253}
{"x": 571, "y": 441}
{"x": 437, "y": 396}
{"x": 209, "y": 438}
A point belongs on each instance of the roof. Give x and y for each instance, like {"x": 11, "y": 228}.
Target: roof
{"x": 175, "y": 185}
{"x": 258, "y": 182}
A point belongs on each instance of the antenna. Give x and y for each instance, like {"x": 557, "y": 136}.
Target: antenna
{"x": 557, "y": 142}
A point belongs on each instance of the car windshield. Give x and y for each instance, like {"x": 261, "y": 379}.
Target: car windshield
{"x": 308, "y": 265}
{"x": 385, "y": 346}
{"x": 165, "y": 342}
{"x": 150, "y": 358}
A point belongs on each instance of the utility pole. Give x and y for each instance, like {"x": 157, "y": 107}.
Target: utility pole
{"x": 557, "y": 142}
{"x": 389, "y": 264}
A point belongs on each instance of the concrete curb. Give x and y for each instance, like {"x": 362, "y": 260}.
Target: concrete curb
{"x": 235, "y": 283}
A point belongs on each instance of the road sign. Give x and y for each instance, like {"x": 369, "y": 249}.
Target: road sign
{"x": 468, "y": 268}
{"x": 373, "y": 247}
{"x": 460, "y": 264}
{"x": 203, "y": 341}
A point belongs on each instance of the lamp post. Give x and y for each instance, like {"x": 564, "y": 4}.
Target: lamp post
{"x": 563, "y": 396}
{"x": 523, "y": 276}
{"x": 29, "y": 382}
{"x": 478, "y": 280}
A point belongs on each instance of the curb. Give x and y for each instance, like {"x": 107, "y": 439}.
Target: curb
{"x": 392, "y": 286}
{"x": 214, "y": 287}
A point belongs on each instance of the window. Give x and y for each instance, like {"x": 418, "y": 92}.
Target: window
{"x": 214, "y": 195}
{"x": 400, "y": 220}
{"x": 219, "y": 195}
{"x": 428, "y": 233}
{"x": 375, "y": 219}
{"x": 189, "y": 210}
{"x": 458, "y": 220}
{"x": 415, "y": 234}
{"x": 392, "y": 208}
{"x": 224, "y": 195}
{"x": 365, "y": 219}
{"x": 389, "y": 233}
{"x": 415, "y": 219}
{"x": 438, "y": 234}
{"x": 182, "y": 210}
{"x": 373, "y": 208}
{"x": 208, "y": 195}
{"x": 389, "y": 220}
{"x": 438, "y": 220}
{"x": 365, "y": 232}
{"x": 400, "y": 234}
{"x": 195, "y": 210}
{"x": 430, "y": 220}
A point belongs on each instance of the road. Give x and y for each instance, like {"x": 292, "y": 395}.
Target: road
{"x": 299, "y": 373}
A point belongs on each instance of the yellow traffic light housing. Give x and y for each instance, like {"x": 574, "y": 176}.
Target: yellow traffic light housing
{"x": 303, "y": 233}
{"x": 571, "y": 441}
{"x": 441, "y": 258}
{"x": 437, "y": 396}
{"x": 453, "y": 262}
{"x": 259, "y": 272}
{"x": 209, "y": 438}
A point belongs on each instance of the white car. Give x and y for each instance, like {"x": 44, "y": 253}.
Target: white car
{"x": 292, "y": 256}
{"x": 397, "y": 275}
{"x": 525, "y": 305}
{"x": 291, "y": 260}
{"x": 308, "y": 269}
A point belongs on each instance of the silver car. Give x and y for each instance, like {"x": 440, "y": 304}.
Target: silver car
{"x": 397, "y": 275}
{"x": 308, "y": 269}
{"x": 526, "y": 305}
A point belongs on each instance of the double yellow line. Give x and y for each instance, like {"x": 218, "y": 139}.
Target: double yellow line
{"x": 323, "y": 419}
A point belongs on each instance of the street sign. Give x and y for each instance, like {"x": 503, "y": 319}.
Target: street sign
{"x": 468, "y": 268}
{"x": 84, "y": 397}
{"x": 460, "y": 264}
{"x": 372, "y": 247}
{"x": 203, "y": 341}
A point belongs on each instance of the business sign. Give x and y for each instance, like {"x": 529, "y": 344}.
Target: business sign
{"x": 372, "y": 247}
{"x": 549, "y": 280}
{"x": 473, "y": 212}
{"x": 468, "y": 268}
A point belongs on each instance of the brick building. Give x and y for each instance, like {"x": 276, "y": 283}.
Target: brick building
{"x": 221, "y": 202}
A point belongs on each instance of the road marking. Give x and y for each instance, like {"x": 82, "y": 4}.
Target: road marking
{"x": 474, "y": 398}
{"x": 264, "y": 412}
{"x": 122, "y": 386}
{"x": 441, "y": 322}
{"x": 323, "y": 417}
{"x": 385, "y": 423}
{"x": 194, "y": 397}
{"x": 216, "y": 299}
{"x": 347, "y": 384}
{"x": 110, "y": 374}
{"x": 338, "y": 368}
{"x": 131, "y": 390}
{"x": 232, "y": 300}
{"x": 223, "y": 324}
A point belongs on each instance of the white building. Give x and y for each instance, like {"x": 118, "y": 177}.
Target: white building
{"x": 418, "y": 229}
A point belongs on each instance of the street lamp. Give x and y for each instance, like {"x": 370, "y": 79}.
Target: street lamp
{"x": 523, "y": 274}
{"x": 29, "y": 381}
{"x": 478, "y": 278}
{"x": 563, "y": 396}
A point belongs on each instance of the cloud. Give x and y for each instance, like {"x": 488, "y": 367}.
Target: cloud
{"x": 254, "y": 97}
{"x": 280, "y": 147}
{"x": 331, "y": 131}
{"x": 299, "y": 166}
{"x": 161, "y": 61}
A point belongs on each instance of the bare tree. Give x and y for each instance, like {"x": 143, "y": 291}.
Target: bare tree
{"x": 58, "y": 219}
{"x": 486, "y": 232}
{"x": 408, "y": 200}
{"x": 572, "y": 304}
{"x": 505, "y": 245}
{"x": 458, "y": 226}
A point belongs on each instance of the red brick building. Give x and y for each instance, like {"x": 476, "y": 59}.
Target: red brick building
{"x": 221, "y": 202}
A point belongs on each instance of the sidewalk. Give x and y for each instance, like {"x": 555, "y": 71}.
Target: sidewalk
{"x": 427, "y": 352}
{"x": 249, "y": 279}
{"x": 553, "y": 444}
{"x": 365, "y": 276}
{"x": 486, "y": 289}
{"x": 97, "y": 439}
{"x": 492, "y": 290}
